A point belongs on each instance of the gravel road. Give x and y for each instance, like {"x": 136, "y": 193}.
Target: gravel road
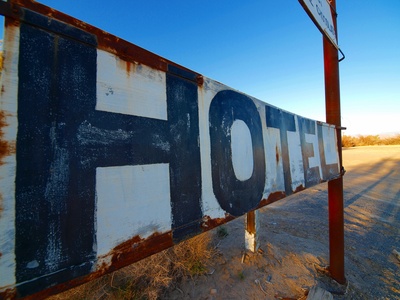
{"x": 295, "y": 245}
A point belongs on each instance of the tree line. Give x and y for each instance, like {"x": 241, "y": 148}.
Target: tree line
{"x": 369, "y": 140}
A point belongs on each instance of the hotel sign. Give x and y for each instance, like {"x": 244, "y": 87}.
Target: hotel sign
{"x": 110, "y": 153}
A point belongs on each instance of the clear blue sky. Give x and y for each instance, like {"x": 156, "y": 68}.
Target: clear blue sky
{"x": 270, "y": 50}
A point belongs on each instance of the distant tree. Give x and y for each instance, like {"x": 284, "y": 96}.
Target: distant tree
{"x": 369, "y": 140}
{"x": 348, "y": 141}
{"x": 394, "y": 140}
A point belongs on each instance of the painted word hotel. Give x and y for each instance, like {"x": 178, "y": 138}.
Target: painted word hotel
{"x": 110, "y": 157}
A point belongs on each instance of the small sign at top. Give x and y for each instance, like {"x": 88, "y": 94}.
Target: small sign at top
{"x": 320, "y": 13}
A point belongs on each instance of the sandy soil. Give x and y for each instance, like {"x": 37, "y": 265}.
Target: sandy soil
{"x": 295, "y": 246}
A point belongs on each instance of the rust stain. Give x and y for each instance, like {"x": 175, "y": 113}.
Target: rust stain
{"x": 208, "y": 223}
{"x": 6, "y": 147}
{"x": 273, "y": 197}
{"x": 251, "y": 222}
{"x": 277, "y": 154}
{"x": 200, "y": 80}
{"x": 299, "y": 189}
{"x": 9, "y": 294}
{"x": 11, "y": 23}
{"x": 128, "y": 66}
{"x": 136, "y": 249}
{"x": 127, "y": 51}
{"x": 122, "y": 255}
{"x": 106, "y": 41}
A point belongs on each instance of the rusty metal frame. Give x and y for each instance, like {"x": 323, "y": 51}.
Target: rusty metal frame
{"x": 105, "y": 41}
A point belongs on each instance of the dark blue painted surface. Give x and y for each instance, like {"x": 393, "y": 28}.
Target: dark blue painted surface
{"x": 311, "y": 174}
{"x": 284, "y": 121}
{"x": 54, "y": 191}
{"x": 235, "y": 196}
{"x": 61, "y": 141}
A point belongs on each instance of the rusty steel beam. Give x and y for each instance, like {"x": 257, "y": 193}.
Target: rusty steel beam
{"x": 335, "y": 187}
{"x": 14, "y": 9}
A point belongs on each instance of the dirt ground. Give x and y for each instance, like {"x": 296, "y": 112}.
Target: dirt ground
{"x": 295, "y": 245}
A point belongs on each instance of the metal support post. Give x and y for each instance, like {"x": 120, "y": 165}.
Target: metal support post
{"x": 251, "y": 237}
{"x": 335, "y": 187}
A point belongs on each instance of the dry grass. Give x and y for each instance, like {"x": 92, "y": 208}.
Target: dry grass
{"x": 369, "y": 140}
{"x": 151, "y": 277}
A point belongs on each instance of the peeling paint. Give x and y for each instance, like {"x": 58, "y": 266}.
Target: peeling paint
{"x": 210, "y": 206}
{"x": 8, "y": 133}
{"x": 330, "y": 146}
{"x": 273, "y": 197}
{"x": 299, "y": 188}
{"x": 274, "y": 177}
{"x": 129, "y": 186}
{"x": 209, "y": 223}
{"x": 252, "y": 236}
{"x": 7, "y": 148}
{"x": 123, "y": 253}
{"x": 295, "y": 157}
{"x": 127, "y": 88}
{"x": 8, "y": 294}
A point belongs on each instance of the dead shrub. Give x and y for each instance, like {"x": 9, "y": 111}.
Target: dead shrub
{"x": 369, "y": 140}
{"x": 150, "y": 277}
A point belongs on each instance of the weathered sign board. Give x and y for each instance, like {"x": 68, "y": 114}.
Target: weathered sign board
{"x": 110, "y": 153}
{"x": 320, "y": 12}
